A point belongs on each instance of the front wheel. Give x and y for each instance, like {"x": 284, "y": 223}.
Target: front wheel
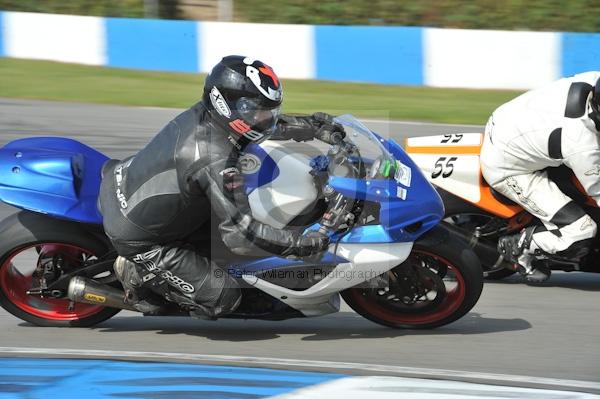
{"x": 438, "y": 284}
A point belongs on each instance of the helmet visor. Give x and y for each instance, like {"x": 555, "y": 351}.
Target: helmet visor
{"x": 259, "y": 117}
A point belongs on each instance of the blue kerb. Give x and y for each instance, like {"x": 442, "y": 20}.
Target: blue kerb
{"x": 93, "y": 379}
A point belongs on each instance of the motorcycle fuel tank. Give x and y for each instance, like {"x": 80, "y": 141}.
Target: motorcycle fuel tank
{"x": 278, "y": 183}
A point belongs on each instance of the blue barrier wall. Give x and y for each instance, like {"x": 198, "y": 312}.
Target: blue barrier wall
{"x": 580, "y": 53}
{"x": 388, "y": 55}
{"x": 152, "y": 44}
{"x": 370, "y": 54}
{"x": 1, "y": 34}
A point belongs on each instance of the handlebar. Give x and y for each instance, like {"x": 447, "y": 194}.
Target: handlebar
{"x": 341, "y": 209}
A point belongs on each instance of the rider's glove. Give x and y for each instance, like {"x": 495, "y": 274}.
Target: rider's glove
{"x": 328, "y": 130}
{"x": 311, "y": 244}
{"x": 304, "y": 128}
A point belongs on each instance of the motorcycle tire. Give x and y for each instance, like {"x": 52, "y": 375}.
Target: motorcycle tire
{"x": 24, "y": 238}
{"x": 462, "y": 275}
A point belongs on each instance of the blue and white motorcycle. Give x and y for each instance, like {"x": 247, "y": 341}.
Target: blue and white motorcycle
{"x": 390, "y": 258}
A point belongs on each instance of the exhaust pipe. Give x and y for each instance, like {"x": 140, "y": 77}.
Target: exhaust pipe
{"x": 84, "y": 290}
{"x": 486, "y": 252}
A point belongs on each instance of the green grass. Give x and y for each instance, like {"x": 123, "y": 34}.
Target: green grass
{"x": 68, "y": 82}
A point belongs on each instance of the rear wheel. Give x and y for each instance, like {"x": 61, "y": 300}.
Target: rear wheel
{"x": 436, "y": 285}
{"x": 32, "y": 245}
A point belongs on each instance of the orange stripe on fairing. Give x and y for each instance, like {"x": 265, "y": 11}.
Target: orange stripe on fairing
{"x": 444, "y": 150}
{"x": 489, "y": 203}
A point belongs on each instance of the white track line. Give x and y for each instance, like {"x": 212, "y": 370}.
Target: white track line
{"x": 413, "y": 388}
{"x": 313, "y": 364}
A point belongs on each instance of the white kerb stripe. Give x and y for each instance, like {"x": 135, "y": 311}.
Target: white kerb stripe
{"x": 65, "y": 38}
{"x": 288, "y": 49}
{"x": 412, "y": 388}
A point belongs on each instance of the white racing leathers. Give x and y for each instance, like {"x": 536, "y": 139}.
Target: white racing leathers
{"x": 542, "y": 128}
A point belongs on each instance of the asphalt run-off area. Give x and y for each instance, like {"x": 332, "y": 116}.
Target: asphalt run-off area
{"x": 542, "y": 337}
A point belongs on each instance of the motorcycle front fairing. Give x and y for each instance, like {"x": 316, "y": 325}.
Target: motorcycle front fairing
{"x": 409, "y": 204}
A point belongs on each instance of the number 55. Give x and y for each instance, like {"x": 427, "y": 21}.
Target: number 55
{"x": 444, "y": 170}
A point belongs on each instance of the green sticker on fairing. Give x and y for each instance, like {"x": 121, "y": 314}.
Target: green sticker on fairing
{"x": 386, "y": 169}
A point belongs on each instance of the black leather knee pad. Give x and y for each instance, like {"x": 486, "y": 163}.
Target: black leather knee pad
{"x": 184, "y": 276}
{"x": 219, "y": 292}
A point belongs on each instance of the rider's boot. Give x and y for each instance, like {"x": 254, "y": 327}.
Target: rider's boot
{"x": 227, "y": 302}
{"x": 127, "y": 274}
{"x": 534, "y": 271}
{"x": 518, "y": 250}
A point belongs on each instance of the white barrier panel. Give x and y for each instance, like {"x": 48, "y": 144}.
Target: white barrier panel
{"x": 490, "y": 59}
{"x": 65, "y": 38}
{"x": 288, "y": 49}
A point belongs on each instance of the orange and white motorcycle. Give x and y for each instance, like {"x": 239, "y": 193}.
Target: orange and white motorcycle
{"x": 482, "y": 215}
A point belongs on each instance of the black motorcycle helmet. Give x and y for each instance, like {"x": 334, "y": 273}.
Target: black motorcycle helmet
{"x": 244, "y": 97}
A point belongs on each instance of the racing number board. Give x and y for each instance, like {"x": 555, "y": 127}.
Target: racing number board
{"x": 450, "y": 161}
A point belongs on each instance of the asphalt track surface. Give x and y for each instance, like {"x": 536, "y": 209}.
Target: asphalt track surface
{"x": 552, "y": 331}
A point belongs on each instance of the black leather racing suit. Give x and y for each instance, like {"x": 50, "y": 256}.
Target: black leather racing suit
{"x": 183, "y": 182}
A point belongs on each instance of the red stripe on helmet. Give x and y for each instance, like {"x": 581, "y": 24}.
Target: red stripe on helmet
{"x": 267, "y": 70}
